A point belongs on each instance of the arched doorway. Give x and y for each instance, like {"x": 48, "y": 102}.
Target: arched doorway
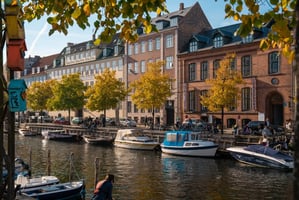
{"x": 274, "y": 108}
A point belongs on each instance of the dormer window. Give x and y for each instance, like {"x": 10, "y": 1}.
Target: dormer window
{"x": 248, "y": 38}
{"x": 218, "y": 41}
{"x": 105, "y": 52}
{"x": 159, "y": 25}
{"x": 193, "y": 46}
{"x": 116, "y": 50}
{"x": 174, "y": 21}
{"x": 68, "y": 50}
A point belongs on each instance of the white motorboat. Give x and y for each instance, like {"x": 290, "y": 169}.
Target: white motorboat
{"x": 134, "y": 139}
{"x": 187, "y": 143}
{"x": 26, "y": 182}
{"x": 98, "y": 139}
{"x": 26, "y": 132}
{"x": 59, "y": 135}
{"x": 262, "y": 156}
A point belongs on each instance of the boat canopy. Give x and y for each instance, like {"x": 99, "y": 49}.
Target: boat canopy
{"x": 128, "y": 132}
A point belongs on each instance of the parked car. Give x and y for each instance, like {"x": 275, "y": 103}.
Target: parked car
{"x": 110, "y": 121}
{"x": 77, "y": 120}
{"x": 45, "y": 119}
{"x": 61, "y": 120}
{"x": 127, "y": 122}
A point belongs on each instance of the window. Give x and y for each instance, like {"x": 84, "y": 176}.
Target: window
{"x": 191, "y": 107}
{"x": 218, "y": 41}
{"x": 120, "y": 64}
{"x": 158, "y": 43}
{"x": 193, "y": 46}
{"x": 142, "y": 66}
{"x": 130, "y": 67}
{"x": 150, "y": 45}
{"x": 169, "y": 41}
{"x": 159, "y": 25}
{"x": 143, "y": 45}
{"x": 129, "y": 107}
{"x": 233, "y": 104}
{"x": 136, "y": 50}
{"x": 130, "y": 49}
{"x": 135, "y": 108}
{"x": 248, "y": 38}
{"x": 232, "y": 63}
{"x": 274, "y": 62}
{"x": 174, "y": 21}
{"x": 192, "y": 71}
{"x": 203, "y": 93}
{"x": 216, "y": 65}
{"x": 204, "y": 70}
{"x": 169, "y": 62}
{"x": 246, "y": 66}
{"x": 136, "y": 70}
{"x": 246, "y": 100}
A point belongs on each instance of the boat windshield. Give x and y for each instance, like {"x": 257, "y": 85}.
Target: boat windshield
{"x": 268, "y": 151}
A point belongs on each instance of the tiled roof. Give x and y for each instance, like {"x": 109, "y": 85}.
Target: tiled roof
{"x": 45, "y": 61}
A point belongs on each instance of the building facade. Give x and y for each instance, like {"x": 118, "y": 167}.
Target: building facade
{"x": 192, "y": 50}
{"x": 268, "y": 76}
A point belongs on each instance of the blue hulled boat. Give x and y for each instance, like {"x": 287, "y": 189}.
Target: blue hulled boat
{"x": 187, "y": 143}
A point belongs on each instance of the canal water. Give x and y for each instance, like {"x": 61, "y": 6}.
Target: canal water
{"x": 149, "y": 175}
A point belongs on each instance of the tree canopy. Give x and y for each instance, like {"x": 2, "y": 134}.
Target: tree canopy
{"x": 225, "y": 89}
{"x": 68, "y": 93}
{"x": 279, "y": 14}
{"x": 109, "y": 16}
{"x": 152, "y": 89}
{"x": 39, "y": 94}
{"x": 106, "y": 93}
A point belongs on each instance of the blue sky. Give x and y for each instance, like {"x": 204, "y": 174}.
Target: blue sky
{"x": 40, "y": 43}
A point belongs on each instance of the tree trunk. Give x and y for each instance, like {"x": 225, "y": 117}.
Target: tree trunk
{"x": 296, "y": 82}
{"x": 153, "y": 115}
{"x": 69, "y": 112}
{"x": 222, "y": 117}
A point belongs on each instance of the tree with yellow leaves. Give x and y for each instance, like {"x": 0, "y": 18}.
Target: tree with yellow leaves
{"x": 224, "y": 90}
{"x": 106, "y": 93}
{"x": 39, "y": 94}
{"x": 152, "y": 89}
{"x": 110, "y": 17}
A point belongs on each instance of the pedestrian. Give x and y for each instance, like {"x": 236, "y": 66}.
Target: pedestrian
{"x": 103, "y": 190}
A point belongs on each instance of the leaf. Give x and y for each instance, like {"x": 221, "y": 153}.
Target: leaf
{"x": 76, "y": 13}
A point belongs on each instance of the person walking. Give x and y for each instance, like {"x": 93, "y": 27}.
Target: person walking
{"x": 103, "y": 190}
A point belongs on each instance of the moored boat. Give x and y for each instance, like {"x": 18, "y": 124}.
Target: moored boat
{"x": 59, "y": 135}
{"x": 98, "y": 139}
{"x": 187, "y": 143}
{"x": 134, "y": 139}
{"x": 26, "y": 132}
{"x": 25, "y": 182}
{"x": 66, "y": 191}
{"x": 262, "y": 156}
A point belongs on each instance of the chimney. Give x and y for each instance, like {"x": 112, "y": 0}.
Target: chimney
{"x": 181, "y": 6}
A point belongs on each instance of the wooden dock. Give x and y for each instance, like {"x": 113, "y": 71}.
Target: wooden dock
{"x": 223, "y": 140}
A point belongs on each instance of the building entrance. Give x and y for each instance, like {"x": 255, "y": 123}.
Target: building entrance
{"x": 274, "y": 108}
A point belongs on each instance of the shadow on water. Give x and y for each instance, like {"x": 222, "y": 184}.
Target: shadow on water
{"x": 150, "y": 175}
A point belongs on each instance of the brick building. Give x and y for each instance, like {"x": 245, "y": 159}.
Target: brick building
{"x": 268, "y": 77}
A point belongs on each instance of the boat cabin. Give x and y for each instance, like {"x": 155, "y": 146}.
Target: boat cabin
{"x": 179, "y": 138}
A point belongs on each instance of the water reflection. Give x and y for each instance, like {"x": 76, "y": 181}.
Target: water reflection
{"x": 149, "y": 175}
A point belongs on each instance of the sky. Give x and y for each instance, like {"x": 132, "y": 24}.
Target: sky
{"x": 39, "y": 42}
